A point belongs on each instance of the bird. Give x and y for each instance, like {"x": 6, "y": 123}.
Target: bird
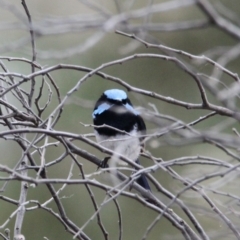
{"x": 119, "y": 127}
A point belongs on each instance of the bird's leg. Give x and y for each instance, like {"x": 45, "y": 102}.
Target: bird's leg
{"x": 104, "y": 163}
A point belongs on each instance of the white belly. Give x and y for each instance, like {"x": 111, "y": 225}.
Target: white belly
{"x": 126, "y": 145}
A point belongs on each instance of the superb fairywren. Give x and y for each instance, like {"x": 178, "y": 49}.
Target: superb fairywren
{"x": 119, "y": 127}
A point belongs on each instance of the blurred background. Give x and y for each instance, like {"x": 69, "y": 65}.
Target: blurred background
{"x": 82, "y": 33}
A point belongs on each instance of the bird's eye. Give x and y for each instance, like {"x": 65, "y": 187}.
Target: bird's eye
{"x": 124, "y": 101}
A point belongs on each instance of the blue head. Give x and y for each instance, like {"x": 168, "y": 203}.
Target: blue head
{"x": 113, "y": 97}
{"x": 115, "y": 94}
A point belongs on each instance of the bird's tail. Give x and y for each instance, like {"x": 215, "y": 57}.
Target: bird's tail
{"x": 142, "y": 180}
